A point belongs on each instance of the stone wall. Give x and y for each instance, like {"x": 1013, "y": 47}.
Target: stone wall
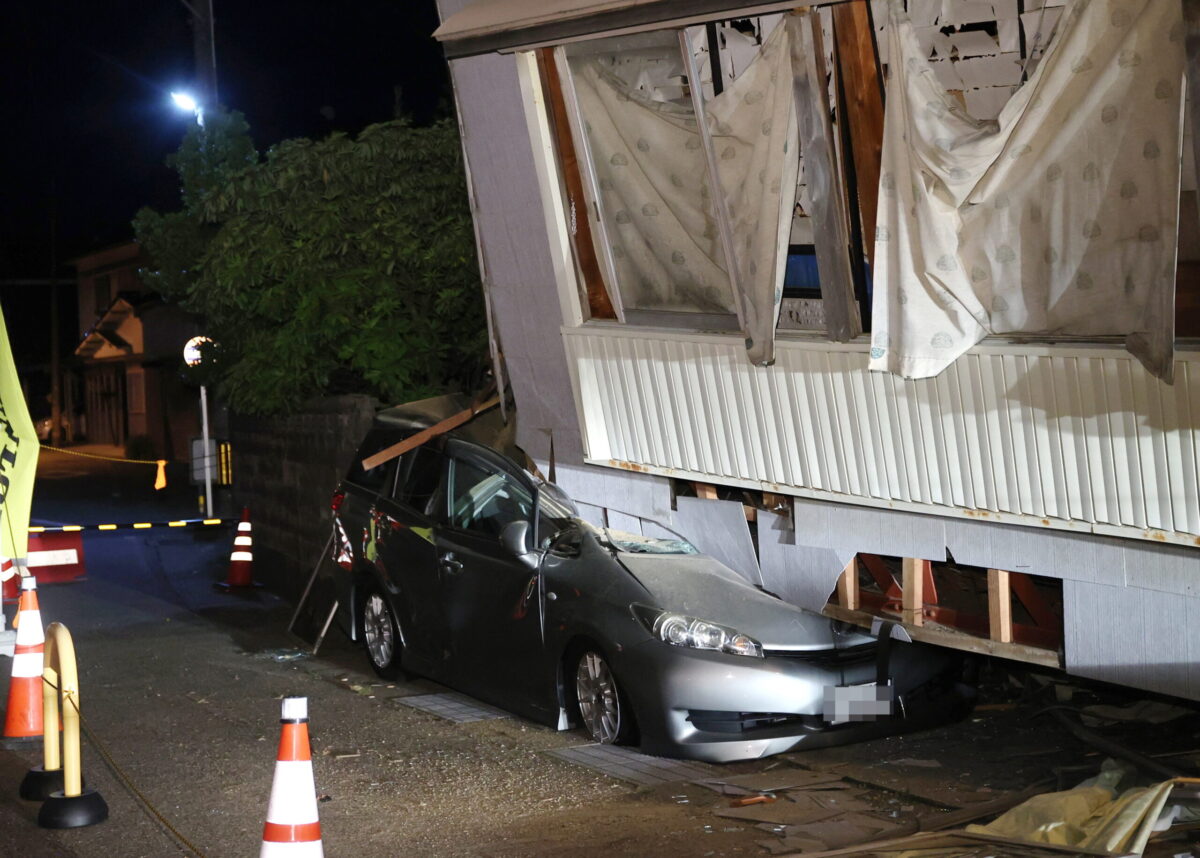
{"x": 285, "y": 471}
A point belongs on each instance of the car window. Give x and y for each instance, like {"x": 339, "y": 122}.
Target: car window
{"x": 485, "y": 500}
{"x": 377, "y": 477}
{"x": 423, "y": 470}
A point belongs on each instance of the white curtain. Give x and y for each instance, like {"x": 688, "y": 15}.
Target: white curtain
{"x": 655, "y": 197}
{"x": 655, "y": 194}
{"x": 755, "y": 136}
{"x": 1058, "y": 217}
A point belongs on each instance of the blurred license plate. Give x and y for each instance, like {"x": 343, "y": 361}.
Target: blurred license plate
{"x": 865, "y": 702}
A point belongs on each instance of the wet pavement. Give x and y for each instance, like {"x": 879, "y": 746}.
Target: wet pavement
{"x": 180, "y": 689}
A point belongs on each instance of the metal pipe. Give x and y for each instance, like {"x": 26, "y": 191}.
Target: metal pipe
{"x": 206, "y": 456}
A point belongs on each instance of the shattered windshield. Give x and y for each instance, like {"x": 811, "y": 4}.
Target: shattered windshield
{"x": 635, "y": 543}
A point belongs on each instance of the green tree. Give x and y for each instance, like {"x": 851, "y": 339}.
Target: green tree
{"x": 331, "y": 266}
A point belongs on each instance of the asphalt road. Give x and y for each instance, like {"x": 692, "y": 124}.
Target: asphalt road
{"x": 181, "y": 685}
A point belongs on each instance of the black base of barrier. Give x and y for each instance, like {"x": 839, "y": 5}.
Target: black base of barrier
{"x": 20, "y": 743}
{"x": 72, "y": 811}
{"x": 38, "y": 783}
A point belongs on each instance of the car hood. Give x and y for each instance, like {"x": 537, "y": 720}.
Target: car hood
{"x": 699, "y": 586}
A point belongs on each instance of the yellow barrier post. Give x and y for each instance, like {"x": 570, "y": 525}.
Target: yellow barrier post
{"x": 60, "y": 779}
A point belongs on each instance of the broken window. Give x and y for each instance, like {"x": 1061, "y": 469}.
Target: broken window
{"x": 691, "y": 202}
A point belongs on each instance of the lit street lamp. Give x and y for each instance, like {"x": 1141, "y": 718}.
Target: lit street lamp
{"x": 192, "y": 356}
{"x": 184, "y": 101}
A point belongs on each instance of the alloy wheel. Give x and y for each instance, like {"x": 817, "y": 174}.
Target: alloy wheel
{"x": 378, "y": 630}
{"x": 599, "y": 700}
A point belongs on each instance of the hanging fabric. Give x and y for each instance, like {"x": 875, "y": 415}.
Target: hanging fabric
{"x": 655, "y": 188}
{"x": 755, "y": 137}
{"x": 1059, "y": 217}
{"x": 653, "y": 181}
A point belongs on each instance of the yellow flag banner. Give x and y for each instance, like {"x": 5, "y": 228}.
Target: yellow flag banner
{"x": 18, "y": 456}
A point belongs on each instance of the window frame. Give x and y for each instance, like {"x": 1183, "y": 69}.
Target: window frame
{"x": 841, "y": 289}
{"x": 457, "y": 450}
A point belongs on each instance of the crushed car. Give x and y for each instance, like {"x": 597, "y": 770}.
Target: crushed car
{"x": 457, "y": 564}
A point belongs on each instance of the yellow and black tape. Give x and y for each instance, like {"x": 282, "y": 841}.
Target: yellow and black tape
{"x": 133, "y": 525}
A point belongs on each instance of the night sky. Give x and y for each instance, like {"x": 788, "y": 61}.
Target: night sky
{"x": 88, "y": 120}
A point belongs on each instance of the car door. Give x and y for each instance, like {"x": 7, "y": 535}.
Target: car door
{"x": 405, "y": 549}
{"x": 492, "y": 600}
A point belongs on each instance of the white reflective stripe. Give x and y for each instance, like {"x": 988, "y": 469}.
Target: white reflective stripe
{"x": 294, "y": 708}
{"x": 293, "y": 794}
{"x": 243, "y": 527}
{"x": 292, "y": 850}
{"x": 28, "y": 664}
{"x": 7, "y": 569}
{"x": 241, "y": 555}
{"x": 243, "y": 540}
{"x": 29, "y": 631}
{"x": 60, "y": 557}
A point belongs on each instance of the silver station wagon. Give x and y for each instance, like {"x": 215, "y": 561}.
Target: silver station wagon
{"x": 457, "y": 564}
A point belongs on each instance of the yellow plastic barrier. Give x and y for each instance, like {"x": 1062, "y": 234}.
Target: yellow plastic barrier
{"x": 59, "y": 780}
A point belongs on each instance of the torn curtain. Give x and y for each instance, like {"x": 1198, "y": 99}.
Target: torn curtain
{"x": 1058, "y": 217}
{"x": 654, "y": 185}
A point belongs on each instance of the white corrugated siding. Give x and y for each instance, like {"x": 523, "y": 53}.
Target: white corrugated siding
{"x": 1079, "y": 435}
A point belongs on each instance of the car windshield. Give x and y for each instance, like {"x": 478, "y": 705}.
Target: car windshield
{"x": 636, "y": 543}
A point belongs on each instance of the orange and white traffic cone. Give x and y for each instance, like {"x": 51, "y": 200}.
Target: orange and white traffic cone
{"x": 292, "y": 829}
{"x": 241, "y": 559}
{"x": 23, "y": 720}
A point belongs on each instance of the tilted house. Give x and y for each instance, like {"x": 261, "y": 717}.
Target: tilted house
{"x": 892, "y": 308}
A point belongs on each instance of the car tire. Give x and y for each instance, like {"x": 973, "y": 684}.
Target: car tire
{"x": 381, "y": 634}
{"x": 603, "y": 707}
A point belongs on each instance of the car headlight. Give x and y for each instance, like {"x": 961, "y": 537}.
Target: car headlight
{"x": 682, "y": 630}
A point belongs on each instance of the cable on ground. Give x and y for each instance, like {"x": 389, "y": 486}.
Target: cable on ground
{"x": 127, "y": 781}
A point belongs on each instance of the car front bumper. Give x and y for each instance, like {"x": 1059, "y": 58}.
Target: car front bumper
{"x": 720, "y": 708}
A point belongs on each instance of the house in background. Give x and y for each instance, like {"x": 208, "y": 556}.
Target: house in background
{"x": 672, "y": 350}
{"x": 129, "y": 351}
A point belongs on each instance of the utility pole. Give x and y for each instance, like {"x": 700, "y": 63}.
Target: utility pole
{"x": 204, "y": 48}
{"x": 56, "y": 430}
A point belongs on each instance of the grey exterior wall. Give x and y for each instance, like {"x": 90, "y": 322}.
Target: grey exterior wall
{"x": 285, "y": 470}
{"x": 1131, "y": 609}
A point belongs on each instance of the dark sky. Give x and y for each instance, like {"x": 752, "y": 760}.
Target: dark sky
{"x": 88, "y": 120}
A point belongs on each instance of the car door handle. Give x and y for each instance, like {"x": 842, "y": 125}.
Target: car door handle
{"x": 450, "y": 564}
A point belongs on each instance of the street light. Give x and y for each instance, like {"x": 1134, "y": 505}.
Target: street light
{"x": 192, "y": 356}
{"x": 185, "y": 101}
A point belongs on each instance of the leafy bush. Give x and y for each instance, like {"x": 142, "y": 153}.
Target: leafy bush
{"x": 333, "y": 266}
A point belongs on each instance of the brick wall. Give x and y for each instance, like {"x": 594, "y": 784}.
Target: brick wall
{"x": 285, "y": 470}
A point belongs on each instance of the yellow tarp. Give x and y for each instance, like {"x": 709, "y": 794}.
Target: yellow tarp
{"x": 18, "y": 456}
{"x": 1091, "y": 816}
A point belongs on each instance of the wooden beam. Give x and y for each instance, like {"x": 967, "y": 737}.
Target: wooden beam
{"x": 954, "y": 639}
{"x": 705, "y": 491}
{"x": 1000, "y": 606}
{"x": 1191, "y": 17}
{"x": 854, "y": 39}
{"x": 452, "y": 422}
{"x": 912, "y": 588}
{"x": 776, "y": 503}
{"x": 599, "y": 303}
{"x": 848, "y": 586}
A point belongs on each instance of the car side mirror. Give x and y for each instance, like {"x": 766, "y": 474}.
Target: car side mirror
{"x": 515, "y": 539}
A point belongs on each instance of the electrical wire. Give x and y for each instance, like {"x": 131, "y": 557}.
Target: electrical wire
{"x": 125, "y": 779}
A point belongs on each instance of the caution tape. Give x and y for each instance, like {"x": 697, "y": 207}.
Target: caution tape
{"x": 134, "y": 525}
{"x": 160, "y": 475}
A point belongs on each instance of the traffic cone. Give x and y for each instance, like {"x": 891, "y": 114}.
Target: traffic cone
{"x": 292, "y": 829}
{"x": 241, "y": 559}
{"x": 23, "y": 720}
